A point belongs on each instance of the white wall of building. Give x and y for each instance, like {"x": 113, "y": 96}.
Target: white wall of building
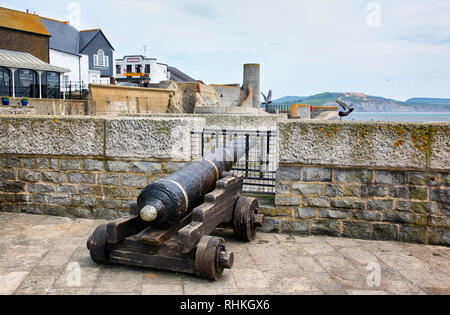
{"x": 158, "y": 72}
{"x": 79, "y": 68}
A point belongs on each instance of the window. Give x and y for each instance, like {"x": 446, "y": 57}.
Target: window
{"x": 147, "y": 68}
{"x": 129, "y": 68}
{"x": 5, "y": 82}
{"x": 118, "y": 69}
{"x": 100, "y": 59}
{"x": 138, "y": 68}
{"x": 51, "y": 85}
{"x": 26, "y": 83}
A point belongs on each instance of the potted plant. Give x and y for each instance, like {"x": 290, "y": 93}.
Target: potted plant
{"x": 24, "y": 101}
{"x": 5, "y": 100}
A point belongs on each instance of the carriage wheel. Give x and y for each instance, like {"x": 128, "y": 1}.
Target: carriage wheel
{"x": 246, "y": 219}
{"x": 97, "y": 245}
{"x": 211, "y": 257}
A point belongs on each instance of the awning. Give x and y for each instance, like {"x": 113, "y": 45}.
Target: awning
{"x": 24, "y": 60}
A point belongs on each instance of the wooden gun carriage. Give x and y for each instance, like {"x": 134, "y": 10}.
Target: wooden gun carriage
{"x": 168, "y": 227}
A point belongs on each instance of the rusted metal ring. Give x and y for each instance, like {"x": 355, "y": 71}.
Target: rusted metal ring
{"x": 186, "y": 200}
{"x": 215, "y": 167}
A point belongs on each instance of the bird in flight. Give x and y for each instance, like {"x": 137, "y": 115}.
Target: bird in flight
{"x": 347, "y": 109}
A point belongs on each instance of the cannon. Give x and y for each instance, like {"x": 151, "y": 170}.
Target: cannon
{"x": 168, "y": 227}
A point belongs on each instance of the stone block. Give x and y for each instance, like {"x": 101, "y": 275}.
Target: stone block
{"x": 439, "y": 236}
{"x": 402, "y": 218}
{"x": 412, "y": 233}
{"x": 80, "y": 213}
{"x": 440, "y": 146}
{"x": 134, "y": 180}
{"x": 373, "y": 190}
{"x": 307, "y": 189}
{"x": 287, "y": 200}
{"x": 288, "y": 173}
{"x": 8, "y": 174}
{"x": 352, "y": 190}
{"x": 78, "y": 136}
{"x": 332, "y": 214}
{"x": 108, "y": 179}
{"x": 29, "y": 176}
{"x": 356, "y": 229}
{"x": 390, "y": 177}
{"x": 89, "y": 189}
{"x": 313, "y": 174}
{"x": 12, "y": 186}
{"x": 423, "y": 178}
{"x": 54, "y": 177}
{"x": 440, "y": 195}
{"x": 418, "y": 207}
{"x": 149, "y": 168}
{"x": 409, "y": 192}
{"x": 271, "y": 225}
{"x": 354, "y": 176}
{"x": 55, "y": 210}
{"x": 31, "y": 208}
{"x": 67, "y": 189}
{"x": 41, "y": 188}
{"x": 28, "y": 163}
{"x": 9, "y": 161}
{"x": 320, "y": 202}
{"x": 385, "y": 232}
{"x": 82, "y": 178}
{"x": 363, "y": 215}
{"x": 348, "y": 203}
{"x": 334, "y": 190}
{"x": 47, "y": 164}
{"x": 374, "y": 144}
{"x": 159, "y": 138}
{"x": 117, "y": 166}
{"x": 294, "y": 227}
{"x": 378, "y": 204}
{"x": 70, "y": 165}
{"x": 325, "y": 227}
{"x": 93, "y": 165}
{"x": 306, "y": 213}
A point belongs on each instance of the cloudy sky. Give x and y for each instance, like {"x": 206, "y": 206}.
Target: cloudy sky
{"x": 392, "y": 48}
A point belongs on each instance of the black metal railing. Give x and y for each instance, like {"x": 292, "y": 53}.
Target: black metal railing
{"x": 259, "y": 164}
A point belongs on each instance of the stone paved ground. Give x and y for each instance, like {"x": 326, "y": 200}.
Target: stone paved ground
{"x": 38, "y": 255}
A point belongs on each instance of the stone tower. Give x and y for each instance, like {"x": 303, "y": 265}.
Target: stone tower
{"x": 252, "y": 79}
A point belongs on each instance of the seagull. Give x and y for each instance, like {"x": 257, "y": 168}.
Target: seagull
{"x": 347, "y": 109}
{"x": 267, "y": 99}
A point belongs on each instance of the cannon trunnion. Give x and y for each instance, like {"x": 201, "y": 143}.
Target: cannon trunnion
{"x": 175, "y": 236}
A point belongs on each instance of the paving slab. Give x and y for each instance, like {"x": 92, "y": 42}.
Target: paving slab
{"x": 48, "y": 256}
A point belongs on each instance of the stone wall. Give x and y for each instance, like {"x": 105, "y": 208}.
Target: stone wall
{"x": 115, "y": 99}
{"x": 382, "y": 181}
{"x": 86, "y": 167}
{"x": 229, "y": 95}
{"x": 49, "y": 106}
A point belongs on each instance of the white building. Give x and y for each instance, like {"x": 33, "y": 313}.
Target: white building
{"x": 139, "y": 69}
{"x": 68, "y": 49}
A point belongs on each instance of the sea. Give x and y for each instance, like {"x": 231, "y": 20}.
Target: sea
{"x": 400, "y": 117}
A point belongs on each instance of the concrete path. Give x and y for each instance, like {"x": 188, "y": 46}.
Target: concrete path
{"x": 48, "y": 255}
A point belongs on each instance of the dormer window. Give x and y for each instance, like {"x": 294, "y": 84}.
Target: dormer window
{"x": 100, "y": 60}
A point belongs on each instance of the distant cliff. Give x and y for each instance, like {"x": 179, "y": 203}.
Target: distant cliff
{"x": 367, "y": 103}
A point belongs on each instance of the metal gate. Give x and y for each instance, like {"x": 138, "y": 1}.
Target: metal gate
{"x": 259, "y": 165}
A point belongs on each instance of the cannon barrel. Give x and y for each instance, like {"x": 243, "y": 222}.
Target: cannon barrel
{"x": 167, "y": 200}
